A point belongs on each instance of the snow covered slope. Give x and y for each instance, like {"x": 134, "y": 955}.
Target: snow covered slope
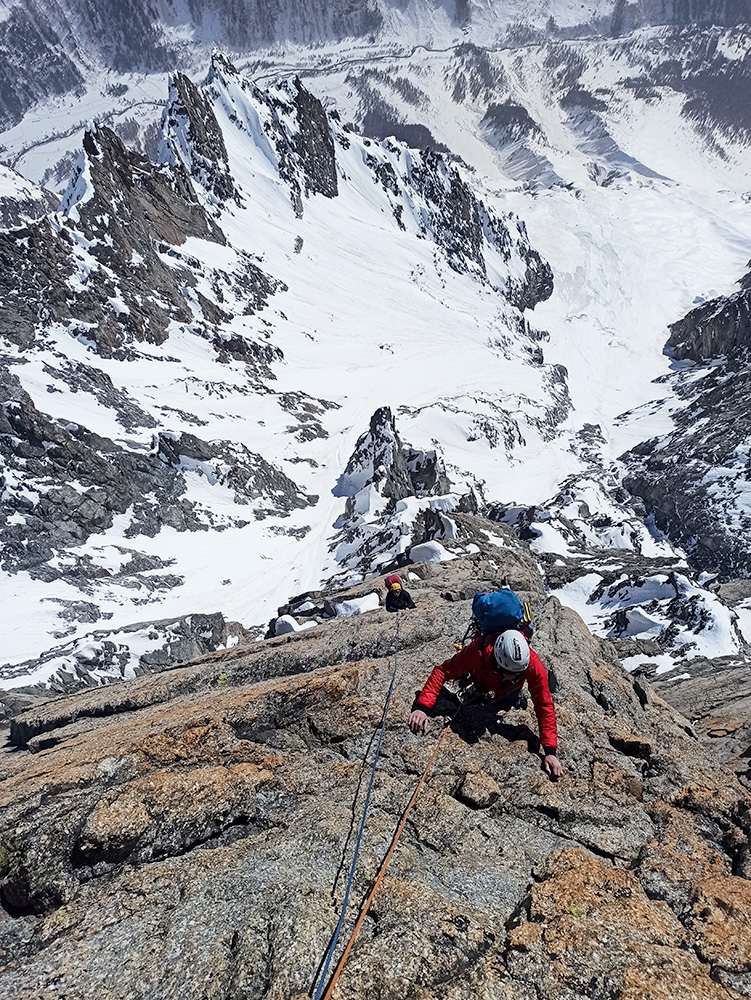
{"x": 204, "y": 360}
{"x": 201, "y": 353}
{"x": 20, "y": 200}
{"x": 75, "y": 61}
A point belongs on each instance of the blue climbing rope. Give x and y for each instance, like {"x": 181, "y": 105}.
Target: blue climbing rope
{"x": 335, "y": 939}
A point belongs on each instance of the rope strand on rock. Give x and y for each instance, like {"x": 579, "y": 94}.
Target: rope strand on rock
{"x": 382, "y": 871}
{"x": 350, "y": 879}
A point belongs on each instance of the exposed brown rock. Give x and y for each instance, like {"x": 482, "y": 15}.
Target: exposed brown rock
{"x": 723, "y": 922}
{"x": 717, "y": 698}
{"x": 596, "y": 930}
{"x": 189, "y": 833}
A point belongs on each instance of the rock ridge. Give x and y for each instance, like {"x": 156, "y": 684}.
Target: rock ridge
{"x": 210, "y": 805}
{"x": 693, "y": 479}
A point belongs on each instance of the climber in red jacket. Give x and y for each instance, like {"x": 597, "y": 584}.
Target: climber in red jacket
{"x": 500, "y": 663}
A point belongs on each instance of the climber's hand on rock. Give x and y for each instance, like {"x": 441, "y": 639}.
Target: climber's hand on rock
{"x": 418, "y": 721}
{"x": 552, "y": 765}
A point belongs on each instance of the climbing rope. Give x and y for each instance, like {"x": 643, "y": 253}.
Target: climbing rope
{"x": 381, "y": 871}
{"x": 477, "y": 697}
{"x": 350, "y": 879}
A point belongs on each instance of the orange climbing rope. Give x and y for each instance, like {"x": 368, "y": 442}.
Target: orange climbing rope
{"x": 381, "y": 872}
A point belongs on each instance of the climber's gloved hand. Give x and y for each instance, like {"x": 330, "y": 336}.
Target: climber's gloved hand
{"x": 552, "y": 765}
{"x": 418, "y": 721}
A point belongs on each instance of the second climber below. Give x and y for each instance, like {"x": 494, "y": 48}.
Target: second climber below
{"x": 397, "y": 598}
{"x": 499, "y": 664}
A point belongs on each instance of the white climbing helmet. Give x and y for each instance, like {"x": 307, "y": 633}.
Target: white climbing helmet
{"x": 511, "y": 652}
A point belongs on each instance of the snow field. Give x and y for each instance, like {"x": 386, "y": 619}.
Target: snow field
{"x": 375, "y": 316}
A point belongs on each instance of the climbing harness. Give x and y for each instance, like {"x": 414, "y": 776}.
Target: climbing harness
{"x": 350, "y": 879}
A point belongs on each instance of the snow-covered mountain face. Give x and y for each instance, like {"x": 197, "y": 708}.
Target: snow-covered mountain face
{"x": 56, "y": 47}
{"x": 203, "y": 329}
{"x": 283, "y": 352}
{"x": 67, "y": 61}
{"x": 706, "y": 451}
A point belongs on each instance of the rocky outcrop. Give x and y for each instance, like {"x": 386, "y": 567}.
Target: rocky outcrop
{"x": 397, "y": 496}
{"x": 210, "y": 805}
{"x": 693, "y": 480}
{"x": 97, "y": 270}
{"x": 314, "y": 144}
{"x": 427, "y": 471}
{"x": 716, "y": 696}
{"x": 253, "y": 479}
{"x": 304, "y": 145}
{"x": 602, "y": 554}
{"x": 203, "y": 147}
{"x": 109, "y": 268}
{"x": 47, "y": 455}
{"x": 35, "y": 266}
{"x": 458, "y": 216}
{"x": 22, "y": 202}
{"x": 126, "y": 206}
{"x": 378, "y": 460}
{"x": 616, "y": 935}
{"x": 464, "y": 227}
{"x": 716, "y": 328}
{"x": 44, "y": 514}
{"x": 107, "y": 655}
{"x": 508, "y": 122}
{"x": 160, "y": 205}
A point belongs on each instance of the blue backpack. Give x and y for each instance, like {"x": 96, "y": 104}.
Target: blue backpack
{"x": 497, "y": 610}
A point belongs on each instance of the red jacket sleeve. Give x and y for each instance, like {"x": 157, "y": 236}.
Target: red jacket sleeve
{"x": 537, "y": 680}
{"x": 459, "y": 664}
